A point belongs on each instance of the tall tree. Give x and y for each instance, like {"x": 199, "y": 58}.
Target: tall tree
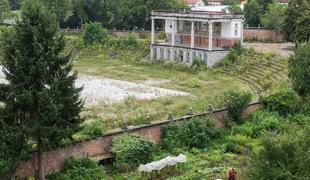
{"x": 4, "y": 9}
{"x": 299, "y": 73}
{"x": 40, "y": 99}
{"x": 61, "y": 8}
{"x": 296, "y": 24}
{"x": 252, "y": 12}
{"x": 274, "y": 16}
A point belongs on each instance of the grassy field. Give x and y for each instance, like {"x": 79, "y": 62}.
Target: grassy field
{"x": 205, "y": 87}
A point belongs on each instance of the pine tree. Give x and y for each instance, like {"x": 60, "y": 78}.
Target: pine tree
{"x": 40, "y": 100}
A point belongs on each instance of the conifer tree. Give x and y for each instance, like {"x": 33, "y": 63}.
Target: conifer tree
{"x": 40, "y": 101}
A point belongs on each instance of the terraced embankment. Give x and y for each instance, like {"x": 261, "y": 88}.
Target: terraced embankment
{"x": 260, "y": 71}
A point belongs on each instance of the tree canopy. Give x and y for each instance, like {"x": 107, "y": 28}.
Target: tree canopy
{"x": 41, "y": 102}
{"x": 274, "y": 16}
{"x": 296, "y": 24}
{"x": 299, "y": 74}
{"x": 4, "y": 9}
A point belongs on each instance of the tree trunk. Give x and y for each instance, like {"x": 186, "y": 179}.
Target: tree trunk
{"x": 40, "y": 165}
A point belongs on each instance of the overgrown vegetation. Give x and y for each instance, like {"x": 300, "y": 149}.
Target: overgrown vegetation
{"x": 299, "y": 69}
{"x": 133, "y": 150}
{"x": 195, "y": 133}
{"x": 283, "y": 102}
{"x": 84, "y": 168}
{"x": 236, "y": 103}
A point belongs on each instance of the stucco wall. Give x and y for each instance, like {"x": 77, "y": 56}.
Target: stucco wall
{"x": 53, "y": 161}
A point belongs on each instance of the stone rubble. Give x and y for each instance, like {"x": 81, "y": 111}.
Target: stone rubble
{"x": 103, "y": 90}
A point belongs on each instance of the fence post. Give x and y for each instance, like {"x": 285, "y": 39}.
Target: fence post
{"x": 148, "y": 120}
{"x": 210, "y": 110}
{"x": 170, "y": 116}
{"x": 124, "y": 125}
{"x": 190, "y": 111}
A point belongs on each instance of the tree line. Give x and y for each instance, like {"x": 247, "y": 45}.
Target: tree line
{"x": 119, "y": 14}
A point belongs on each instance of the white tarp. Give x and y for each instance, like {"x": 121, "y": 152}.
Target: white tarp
{"x": 158, "y": 165}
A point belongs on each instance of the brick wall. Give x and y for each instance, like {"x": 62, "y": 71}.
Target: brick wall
{"x": 262, "y": 35}
{"x": 53, "y": 160}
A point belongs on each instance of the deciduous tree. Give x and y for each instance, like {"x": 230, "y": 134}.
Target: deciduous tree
{"x": 296, "y": 24}
{"x": 274, "y": 16}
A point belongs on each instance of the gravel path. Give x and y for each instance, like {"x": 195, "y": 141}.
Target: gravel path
{"x": 97, "y": 90}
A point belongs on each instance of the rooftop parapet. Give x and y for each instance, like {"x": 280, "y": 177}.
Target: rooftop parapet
{"x": 193, "y": 14}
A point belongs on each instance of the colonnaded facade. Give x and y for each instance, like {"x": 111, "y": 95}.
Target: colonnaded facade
{"x": 201, "y": 33}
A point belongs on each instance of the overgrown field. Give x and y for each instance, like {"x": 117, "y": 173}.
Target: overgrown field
{"x": 272, "y": 139}
{"x": 130, "y": 64}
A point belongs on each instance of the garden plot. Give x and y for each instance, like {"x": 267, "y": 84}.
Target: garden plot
{"x": 97, "y": 90}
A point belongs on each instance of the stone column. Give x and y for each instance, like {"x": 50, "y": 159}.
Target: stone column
{"x": 241, "y": 34}
{"x": 184, "y": 56}
{"x": 191, "y": 56}
{"x": 193, "y": 35}
{"x": 152, "y": 52}
{"x": 210, "y": 35}
{"x": 153, "y": 32}
{"x": 158, "y": 53}
{"x": 173, "y": 33}
{"x": 172, "y": 54}
{"x": 165, "y": 54}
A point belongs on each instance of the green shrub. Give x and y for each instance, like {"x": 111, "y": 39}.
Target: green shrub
{"x": 231, "y": 57}
{"x": 133, "y": 150}
{"x": 131, "y": 41}
{"x": 193, "y": 83}
{"x": 199, "y": 64}
{"x": 95, "y": 128}
{"x": 84, "y": 168}
{"x": 187, "y": 135}
{"x": 300, "y": 119}
{"x": 283, "y": 102}
{"x": 285, "y": 156}
{"x": 236, "y": 143}
{"x": 262, "y": 121}
{"x": 161, "y": 35}
{"x": 94, "y": 34}
{"x": 236, "y": 103}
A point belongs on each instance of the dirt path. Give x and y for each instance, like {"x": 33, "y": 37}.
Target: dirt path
{"x": 283, "y": 49}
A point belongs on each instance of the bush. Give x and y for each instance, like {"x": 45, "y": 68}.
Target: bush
{"x": 161, "y": 35}
{"x": 236, "y": 103}
{"x": 84, "y": 168}
{"x": 187, "y": 135}
{"x": 193, "y": 83}
{"x": 236, "y": 143}
{"x": 133, "y": 150}
{"x": 285, "y": 156}
{"x": 283, "y": 102}
{"x": 262, "y": 121}
{"x": 95, "y": 128}
{"x": 94, "y": 34}
{"x": 233, "y": 54}
{"x": 300, "y": 119}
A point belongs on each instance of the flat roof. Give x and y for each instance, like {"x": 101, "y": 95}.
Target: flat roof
{"x": 188, "y": 14}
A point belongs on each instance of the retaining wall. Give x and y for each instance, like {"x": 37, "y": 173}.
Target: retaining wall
{"x": 53, "y": 160}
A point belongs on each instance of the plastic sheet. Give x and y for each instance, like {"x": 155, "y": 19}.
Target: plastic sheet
{"x": 158, "y": 165}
